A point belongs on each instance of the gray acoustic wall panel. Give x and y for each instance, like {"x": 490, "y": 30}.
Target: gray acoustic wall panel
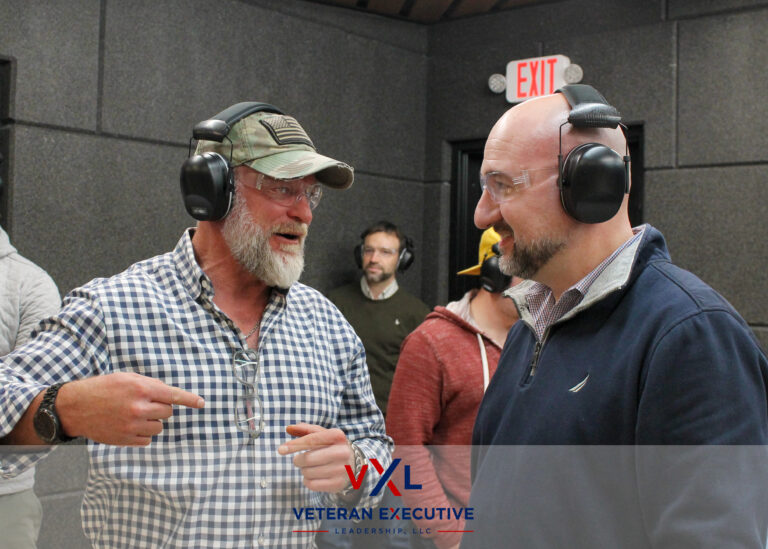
{"x": 59, "y": 482}
{"x": 61, "y": 523}
{"x": 464, "y": 53}
{"x": 64, "y": 470}
{"x": 723, "y": 87}
{"x": 635, "y": 70}
{"x": 762, "y": 337}
{"x": 353, "y": 94}
{"x": 461, "y": 107}
{"x": 436, "y": 248}
{"x": 691, "y": 8}
{"x": 56, "y": 49}
{"x": 87, "y": 206}
{"x": 712, "y": 220}
{"x": 408, "y": 36}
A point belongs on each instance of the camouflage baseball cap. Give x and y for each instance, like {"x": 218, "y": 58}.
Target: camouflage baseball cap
{"x": 277, "y": 146}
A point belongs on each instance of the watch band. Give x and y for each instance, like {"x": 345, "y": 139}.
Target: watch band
{"x": 48, "y": 408}
{"x": 359, "y": 461}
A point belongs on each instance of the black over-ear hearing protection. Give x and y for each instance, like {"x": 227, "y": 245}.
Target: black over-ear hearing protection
{"x": 207, "y": 179}
{"x": 491, "y": 277}
{"x": 404, "y": 261}
{"x": 406, "y": 255}
{"x": 593, "y": 178}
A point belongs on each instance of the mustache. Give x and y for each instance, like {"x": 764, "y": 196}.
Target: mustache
{"x": 503, "y": 229}
{"x": 297, "y": 229}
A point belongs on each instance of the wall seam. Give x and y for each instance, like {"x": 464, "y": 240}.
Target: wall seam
{"x": 100, "y": 76}
{"x": 676, "y": 95}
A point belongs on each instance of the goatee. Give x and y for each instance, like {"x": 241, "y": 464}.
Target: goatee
{"x": 526, "y": 260}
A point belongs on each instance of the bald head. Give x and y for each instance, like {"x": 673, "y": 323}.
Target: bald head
{"x": 531, "y": 130}
{"x": 539, "y": 239}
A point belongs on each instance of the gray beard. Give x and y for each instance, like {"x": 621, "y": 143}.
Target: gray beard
{"x": 249, "y": 244}
{"x": 526, "y": 261}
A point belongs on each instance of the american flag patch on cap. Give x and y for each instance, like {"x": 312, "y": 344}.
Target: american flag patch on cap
{"x": 285, "y": 130}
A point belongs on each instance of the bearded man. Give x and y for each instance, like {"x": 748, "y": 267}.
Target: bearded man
{"x": 185, "y": 372}
{"x": 381, "y": 312}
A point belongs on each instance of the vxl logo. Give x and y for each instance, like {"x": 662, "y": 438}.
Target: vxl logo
{"x": 357, "y": 482}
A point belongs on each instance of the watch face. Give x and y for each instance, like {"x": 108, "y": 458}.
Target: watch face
{"x": 46, "y": 425}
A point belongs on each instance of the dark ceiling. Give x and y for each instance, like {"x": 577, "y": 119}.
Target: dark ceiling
{"x": 430, "y": 11}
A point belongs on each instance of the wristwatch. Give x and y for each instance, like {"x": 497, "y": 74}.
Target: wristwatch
{"x": 357, "y": 467}
{"x": 46, "y": 420}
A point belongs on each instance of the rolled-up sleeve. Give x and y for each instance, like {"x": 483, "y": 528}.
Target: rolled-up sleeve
{"x": 68, "y": 346}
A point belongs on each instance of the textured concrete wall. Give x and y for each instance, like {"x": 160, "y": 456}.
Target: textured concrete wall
{"x": 107, "y": 92}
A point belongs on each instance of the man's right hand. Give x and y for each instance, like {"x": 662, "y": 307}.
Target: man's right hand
{"x": 123, "y": 409}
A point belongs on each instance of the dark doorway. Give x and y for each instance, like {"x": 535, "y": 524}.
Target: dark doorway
{"x": 465, "y": 192}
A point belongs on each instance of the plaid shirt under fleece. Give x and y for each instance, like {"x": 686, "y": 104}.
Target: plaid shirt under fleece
{"x": 541, "y": 301}
{"x": 202, "y": 482}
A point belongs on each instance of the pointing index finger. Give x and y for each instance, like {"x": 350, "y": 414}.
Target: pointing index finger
{"x": 309, "y": 437}
{"x": 178, "y": 397}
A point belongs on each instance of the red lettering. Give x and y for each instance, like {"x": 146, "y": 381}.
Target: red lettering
{"x": 534, "y": 87}
{"x": 552, "y": 62}
{"x": 356, "y": 482}
{"x": 520, "y": 80}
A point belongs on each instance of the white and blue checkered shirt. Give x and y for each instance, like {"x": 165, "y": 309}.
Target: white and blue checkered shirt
{"x": 202, "y": 482}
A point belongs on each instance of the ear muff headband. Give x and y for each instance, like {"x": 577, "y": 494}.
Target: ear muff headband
{"x": 593, "y": 178}
{"x": 207, "y": 179}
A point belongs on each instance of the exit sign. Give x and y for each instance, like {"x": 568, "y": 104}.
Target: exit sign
{"x": 536, "y": 76}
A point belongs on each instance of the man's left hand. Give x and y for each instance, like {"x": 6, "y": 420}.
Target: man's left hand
{"x": 324, "y": 453}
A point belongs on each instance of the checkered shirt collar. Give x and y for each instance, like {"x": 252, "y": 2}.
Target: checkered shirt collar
{"x": 192, "y": 276}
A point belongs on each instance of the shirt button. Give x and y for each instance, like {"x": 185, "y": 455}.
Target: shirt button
{"x": 260, "y": 541}
{"x": 263, "y": 483}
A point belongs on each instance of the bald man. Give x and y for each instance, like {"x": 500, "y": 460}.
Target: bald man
{"x": 626, "y": 400}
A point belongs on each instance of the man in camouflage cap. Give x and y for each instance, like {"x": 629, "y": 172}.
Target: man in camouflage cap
{"x": 185, "y": 372}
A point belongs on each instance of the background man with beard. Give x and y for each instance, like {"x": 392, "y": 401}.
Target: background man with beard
{"x": 628, "y": 397}
{"x": 382, "y": 314}
{"x": 211, "y": 353}
{"x": 380, "y": 311}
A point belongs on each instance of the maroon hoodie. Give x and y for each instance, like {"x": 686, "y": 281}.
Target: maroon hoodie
{"x": 436, "y": 391}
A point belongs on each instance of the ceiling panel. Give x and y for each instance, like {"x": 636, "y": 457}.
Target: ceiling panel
{"x": 388, "y": 7}
{"x": 430, "y": 11}
{"x": 472, "y": 7}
